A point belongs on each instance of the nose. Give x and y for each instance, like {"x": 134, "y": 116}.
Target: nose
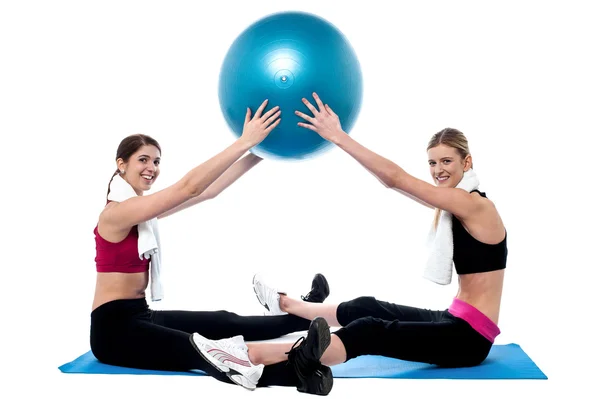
{"x": 438, "y": 169}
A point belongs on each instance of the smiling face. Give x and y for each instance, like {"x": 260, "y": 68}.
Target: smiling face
{"x": 141, "y": 169}
{"x": 446, "y": 165}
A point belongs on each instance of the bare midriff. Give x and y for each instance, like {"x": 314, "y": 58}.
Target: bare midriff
{"x": 113, "y": 286}
{"x": 482, "y": 291}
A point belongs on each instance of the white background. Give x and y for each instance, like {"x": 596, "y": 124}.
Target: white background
{"x": 520, "y": 78}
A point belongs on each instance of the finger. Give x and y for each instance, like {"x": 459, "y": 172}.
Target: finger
{"x": 272, "y": 118}
{"x": 273, "y": 125}
{"x": 307, "y": 126}
{"x": 310, "y": 106}
{"x": 260, "y": 109}
{"x": 271, "y": 112}
{"x": 328, "y": 108}
{"x": 305, "y": 117}
{"x": 319, "y": 102}
{"x": 248, "y": 113}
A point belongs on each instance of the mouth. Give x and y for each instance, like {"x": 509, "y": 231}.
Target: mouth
{"x": 148, "y": 178}
{"x": 441, "y": 179}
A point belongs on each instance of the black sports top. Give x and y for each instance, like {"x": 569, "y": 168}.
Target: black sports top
{"x": 473, "y": 256}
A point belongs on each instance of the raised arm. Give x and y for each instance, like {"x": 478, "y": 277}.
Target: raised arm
{"x": 327, "y": 124}
{"x": 122, "y": 216}
{"x": 231, "y": 175}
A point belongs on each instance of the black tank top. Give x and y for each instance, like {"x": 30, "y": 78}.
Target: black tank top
{"x": 473, "y": 256}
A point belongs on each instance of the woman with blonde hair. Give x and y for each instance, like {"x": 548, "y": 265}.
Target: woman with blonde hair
{"x": 468, "y": 235}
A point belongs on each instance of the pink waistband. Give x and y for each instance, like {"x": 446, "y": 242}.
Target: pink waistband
{"x": 480, "y": 322}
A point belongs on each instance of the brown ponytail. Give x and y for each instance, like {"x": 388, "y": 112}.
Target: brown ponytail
{"x": 111, "y": 179}
{"x": 128, "y": 146}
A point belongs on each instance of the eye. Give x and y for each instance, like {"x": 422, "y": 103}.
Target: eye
{"x": 157, "y": 162}
{"x": 431, "y": 163}
{"x": 447, "y": 161}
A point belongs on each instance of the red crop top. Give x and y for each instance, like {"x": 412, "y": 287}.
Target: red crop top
{"x": 121, "y": 257}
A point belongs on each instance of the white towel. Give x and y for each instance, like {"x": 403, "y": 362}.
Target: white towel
{"x": 148, "y": 237}
{"x": 440, "y": 264}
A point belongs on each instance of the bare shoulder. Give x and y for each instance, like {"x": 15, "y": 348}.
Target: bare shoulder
{"x": 108, "y": 230}
{"x": 484, "y": 204}
{"x": 481, "y": 200}
{"x": 485, "y": 221}
{"x": 105, "y": 212}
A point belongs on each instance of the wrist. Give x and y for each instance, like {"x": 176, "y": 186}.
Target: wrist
{"x": 340, "y": 139}
{"x": 244, "y": 143}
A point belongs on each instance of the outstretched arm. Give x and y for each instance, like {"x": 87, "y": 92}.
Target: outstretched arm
{"x": 231, "y": 175}
{"x": 386, "y": 171}
{"x": 120, "y": 217}
{"x": 327, "y": 124}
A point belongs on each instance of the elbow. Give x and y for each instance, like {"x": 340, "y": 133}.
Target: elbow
{"x": 190, "y": 190}
{"x": 387, "y": 183}
{"x": 390, "y": 179}
{"x": 197, "y": 193}
{"x": 208, "y": 195}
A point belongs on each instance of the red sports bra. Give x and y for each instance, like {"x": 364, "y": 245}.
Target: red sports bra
{"x": 121, "y": 257}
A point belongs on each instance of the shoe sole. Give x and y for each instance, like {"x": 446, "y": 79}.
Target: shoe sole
{"x": 264, "y": 304}
{"x": 325, "y": 285}
{"x": 319, "y": 284}
{"x": 326, "y": 382}
{"x": 321, "y": 385}
{"x": 324, "y": 334}
{"x": 235, "y": 376}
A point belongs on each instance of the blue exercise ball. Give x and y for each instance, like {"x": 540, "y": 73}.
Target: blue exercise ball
{"x": 283, "y": 58}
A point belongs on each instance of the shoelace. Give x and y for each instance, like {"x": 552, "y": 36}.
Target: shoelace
{"x": 299, "y": 362}
{"x": 312, "y": 292}
{"x": 307, "y": 297}
{"x": 232, "y": 348}
{"x": 296, "y": 346}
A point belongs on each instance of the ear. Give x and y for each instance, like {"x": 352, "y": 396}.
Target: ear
{"x": 120, "y": 164}
{"x": 468, "y": 163}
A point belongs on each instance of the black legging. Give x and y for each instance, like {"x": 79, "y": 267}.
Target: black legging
{"x": 373, "y": 327}
{"x": 128, "y": 333}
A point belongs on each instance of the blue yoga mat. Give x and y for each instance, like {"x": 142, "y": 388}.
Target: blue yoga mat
{"x": 504, "y": 362}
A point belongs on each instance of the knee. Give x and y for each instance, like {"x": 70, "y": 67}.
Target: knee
{"x": 362, "y": 301}
{"x": 355, "y": 309}
{"x": 357, "y": 338}
{"x": 227, "y": 315}
{"x": 366, "y": 327}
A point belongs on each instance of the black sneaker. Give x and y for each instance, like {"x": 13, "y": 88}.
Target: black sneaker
{"x": 305, "y": 355}
{"x": 319, "y": 290}
{"x": 321, "y": 381}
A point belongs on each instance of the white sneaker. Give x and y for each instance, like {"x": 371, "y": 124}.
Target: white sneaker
{"x": 267, "y": 296}
{"x": 230, "y": 355}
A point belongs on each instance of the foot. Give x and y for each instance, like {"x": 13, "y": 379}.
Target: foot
{"x": 305, "y": 355}
{"x": 267, "y": 296}
{"x": 230, "y": 356}
{"x": 319, "y": 290}
{"x": 320, "y": 382}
